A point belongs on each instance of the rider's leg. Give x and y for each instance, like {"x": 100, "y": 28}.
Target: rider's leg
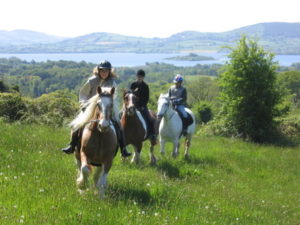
{"x": 74, "y": 140}
{"x": 121, "y": 139}
{"x": 184, "y": 117}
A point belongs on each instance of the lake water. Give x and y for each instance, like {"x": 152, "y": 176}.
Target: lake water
{"x": 136, "y": 59}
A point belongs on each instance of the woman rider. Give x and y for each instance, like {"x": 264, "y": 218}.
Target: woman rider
{"x": 103, "y": 77}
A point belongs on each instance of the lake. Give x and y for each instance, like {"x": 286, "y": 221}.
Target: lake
{"x": 136, "y": 59}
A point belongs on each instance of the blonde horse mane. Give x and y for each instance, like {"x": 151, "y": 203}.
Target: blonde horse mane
{"x": 84, "y": 117}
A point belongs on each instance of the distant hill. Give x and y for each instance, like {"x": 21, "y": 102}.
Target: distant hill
{"x": 281, "y": 38}
{"x": 26, "y": 37}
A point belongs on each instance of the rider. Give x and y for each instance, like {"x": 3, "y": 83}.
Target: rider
{"x": 141, "y": 90}
{"x": 178, "y": 97}
{"x": 103, "y": 77}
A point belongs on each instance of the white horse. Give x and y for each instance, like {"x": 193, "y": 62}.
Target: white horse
{"x": 170, "y": 126}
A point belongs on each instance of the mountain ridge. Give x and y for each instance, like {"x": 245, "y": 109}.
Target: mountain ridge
{"x": 279, "y": 37}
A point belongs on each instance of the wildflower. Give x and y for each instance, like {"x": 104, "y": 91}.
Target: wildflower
{"x": 15, "y": 177}
{"x": 42, "y": 190}
{"x": 148, "y": 184}
{"x": 156, "y": 214}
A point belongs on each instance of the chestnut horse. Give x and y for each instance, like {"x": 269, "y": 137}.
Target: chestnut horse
{"x": 135, "y": 128}
{"x": 98, "y": 142}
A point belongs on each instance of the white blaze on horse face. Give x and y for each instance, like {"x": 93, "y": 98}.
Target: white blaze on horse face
{"x": 162, "y": 106}
{"x": 130, "y": 105}
{"x": 106, "y": 111}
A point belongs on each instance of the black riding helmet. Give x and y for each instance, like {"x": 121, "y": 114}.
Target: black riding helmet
{"x": 104, "y": 65}
{"x": 140, "y": 73}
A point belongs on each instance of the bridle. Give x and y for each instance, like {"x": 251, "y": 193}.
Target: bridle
{"x": 167, "y": 108}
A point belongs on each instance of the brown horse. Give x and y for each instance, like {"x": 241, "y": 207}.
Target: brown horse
{"x": 98, "y": 142}
{"x": 135, "y": 128}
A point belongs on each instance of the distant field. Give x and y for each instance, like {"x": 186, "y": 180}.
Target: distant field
{"x": 226, "y": 181}
{"x": 191, "y": 78}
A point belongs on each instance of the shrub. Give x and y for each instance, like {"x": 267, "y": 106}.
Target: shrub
{"x": 12, "y": 106}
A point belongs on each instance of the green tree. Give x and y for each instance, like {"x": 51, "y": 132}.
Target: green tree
{"x": 290, "y": 80}
{"x": 248, "y": 91}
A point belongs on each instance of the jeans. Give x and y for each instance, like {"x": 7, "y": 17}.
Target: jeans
{"x": 182, "y": 111}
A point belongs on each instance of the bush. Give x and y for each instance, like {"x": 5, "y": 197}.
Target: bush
{"x": 12, "y": 106}
{"x": 51, "y": 109}
{"x": 203, "y": 112}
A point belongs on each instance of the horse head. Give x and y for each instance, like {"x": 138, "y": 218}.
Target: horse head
{"x": 163, "y": 105}
{"x": 105, "y": 107}
{"x": 130, "y": 99}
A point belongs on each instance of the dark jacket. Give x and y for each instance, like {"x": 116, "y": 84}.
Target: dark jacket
{"x": 178, "y": 96}
{"x": 141, "y": 89}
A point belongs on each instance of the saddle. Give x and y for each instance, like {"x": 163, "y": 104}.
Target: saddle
{"x": 185, "y": 121}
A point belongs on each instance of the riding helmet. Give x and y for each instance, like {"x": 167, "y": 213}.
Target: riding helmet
{"x": 140, "y": 73}
{"x": 104, "y": 65}
{"x": 178, "y": 78}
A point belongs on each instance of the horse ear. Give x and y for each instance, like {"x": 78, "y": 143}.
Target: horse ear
{"x": 112, "y": 91}
{"x": 99, "y": 90}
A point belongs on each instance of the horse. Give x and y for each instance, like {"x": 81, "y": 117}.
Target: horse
{"x": 98, "y": 144}
{"x": 170, "y": 127}
{"x": 135, "y": 128}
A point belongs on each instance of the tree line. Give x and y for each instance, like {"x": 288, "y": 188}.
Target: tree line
{"x": 249, "y": 97}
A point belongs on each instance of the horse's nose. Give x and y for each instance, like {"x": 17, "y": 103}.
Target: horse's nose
{"x": 131, "y": 110}
{"x": 103, "y": 124}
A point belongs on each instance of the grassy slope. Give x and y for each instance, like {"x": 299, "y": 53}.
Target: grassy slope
{"x": 226, "y": 181}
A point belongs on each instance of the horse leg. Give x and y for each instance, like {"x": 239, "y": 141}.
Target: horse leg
{"x": 176, "y": 145}
{"x": 162, "y": 143}
{"x": 82, "y": 180}
{"x": 102, "y": 182}
{"x": 152, "y": 156}
{"x": 187, "y": 147}
{"x": 97, "y": 173}
{"x": 137, "y": 151}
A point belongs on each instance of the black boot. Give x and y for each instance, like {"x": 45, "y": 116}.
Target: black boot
{"x": 184, "y": 126}
{"x": 121, "y": 141}
{"x": 74, "y": 140}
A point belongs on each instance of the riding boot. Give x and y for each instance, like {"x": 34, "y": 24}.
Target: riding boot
{"x": 184, "y": 126}
{"x": 121, "y": 140}
{"x": 74, "y": 140}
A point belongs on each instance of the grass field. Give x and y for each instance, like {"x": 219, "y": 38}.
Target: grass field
{"x": 226, "y": 181}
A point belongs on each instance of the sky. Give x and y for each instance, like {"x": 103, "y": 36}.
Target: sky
{"x": 142, "y": 18}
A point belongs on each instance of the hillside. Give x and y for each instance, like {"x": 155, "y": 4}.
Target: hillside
{"x": 226, "y": 181}
{"x": 281, "y": 38}
{"x": 25, "y": 37}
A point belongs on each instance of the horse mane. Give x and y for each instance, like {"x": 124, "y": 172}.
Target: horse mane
{"x": 84, "y": 117}
{"x": 164, "y": 96}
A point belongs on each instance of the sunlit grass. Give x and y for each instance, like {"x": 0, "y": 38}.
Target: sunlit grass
{"x": 225, "y": 181}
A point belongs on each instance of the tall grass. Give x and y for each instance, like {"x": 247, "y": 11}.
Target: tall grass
{"x": 225, "y": 181}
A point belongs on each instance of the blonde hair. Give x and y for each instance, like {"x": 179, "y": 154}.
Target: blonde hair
{"x": 112, "y": 73}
